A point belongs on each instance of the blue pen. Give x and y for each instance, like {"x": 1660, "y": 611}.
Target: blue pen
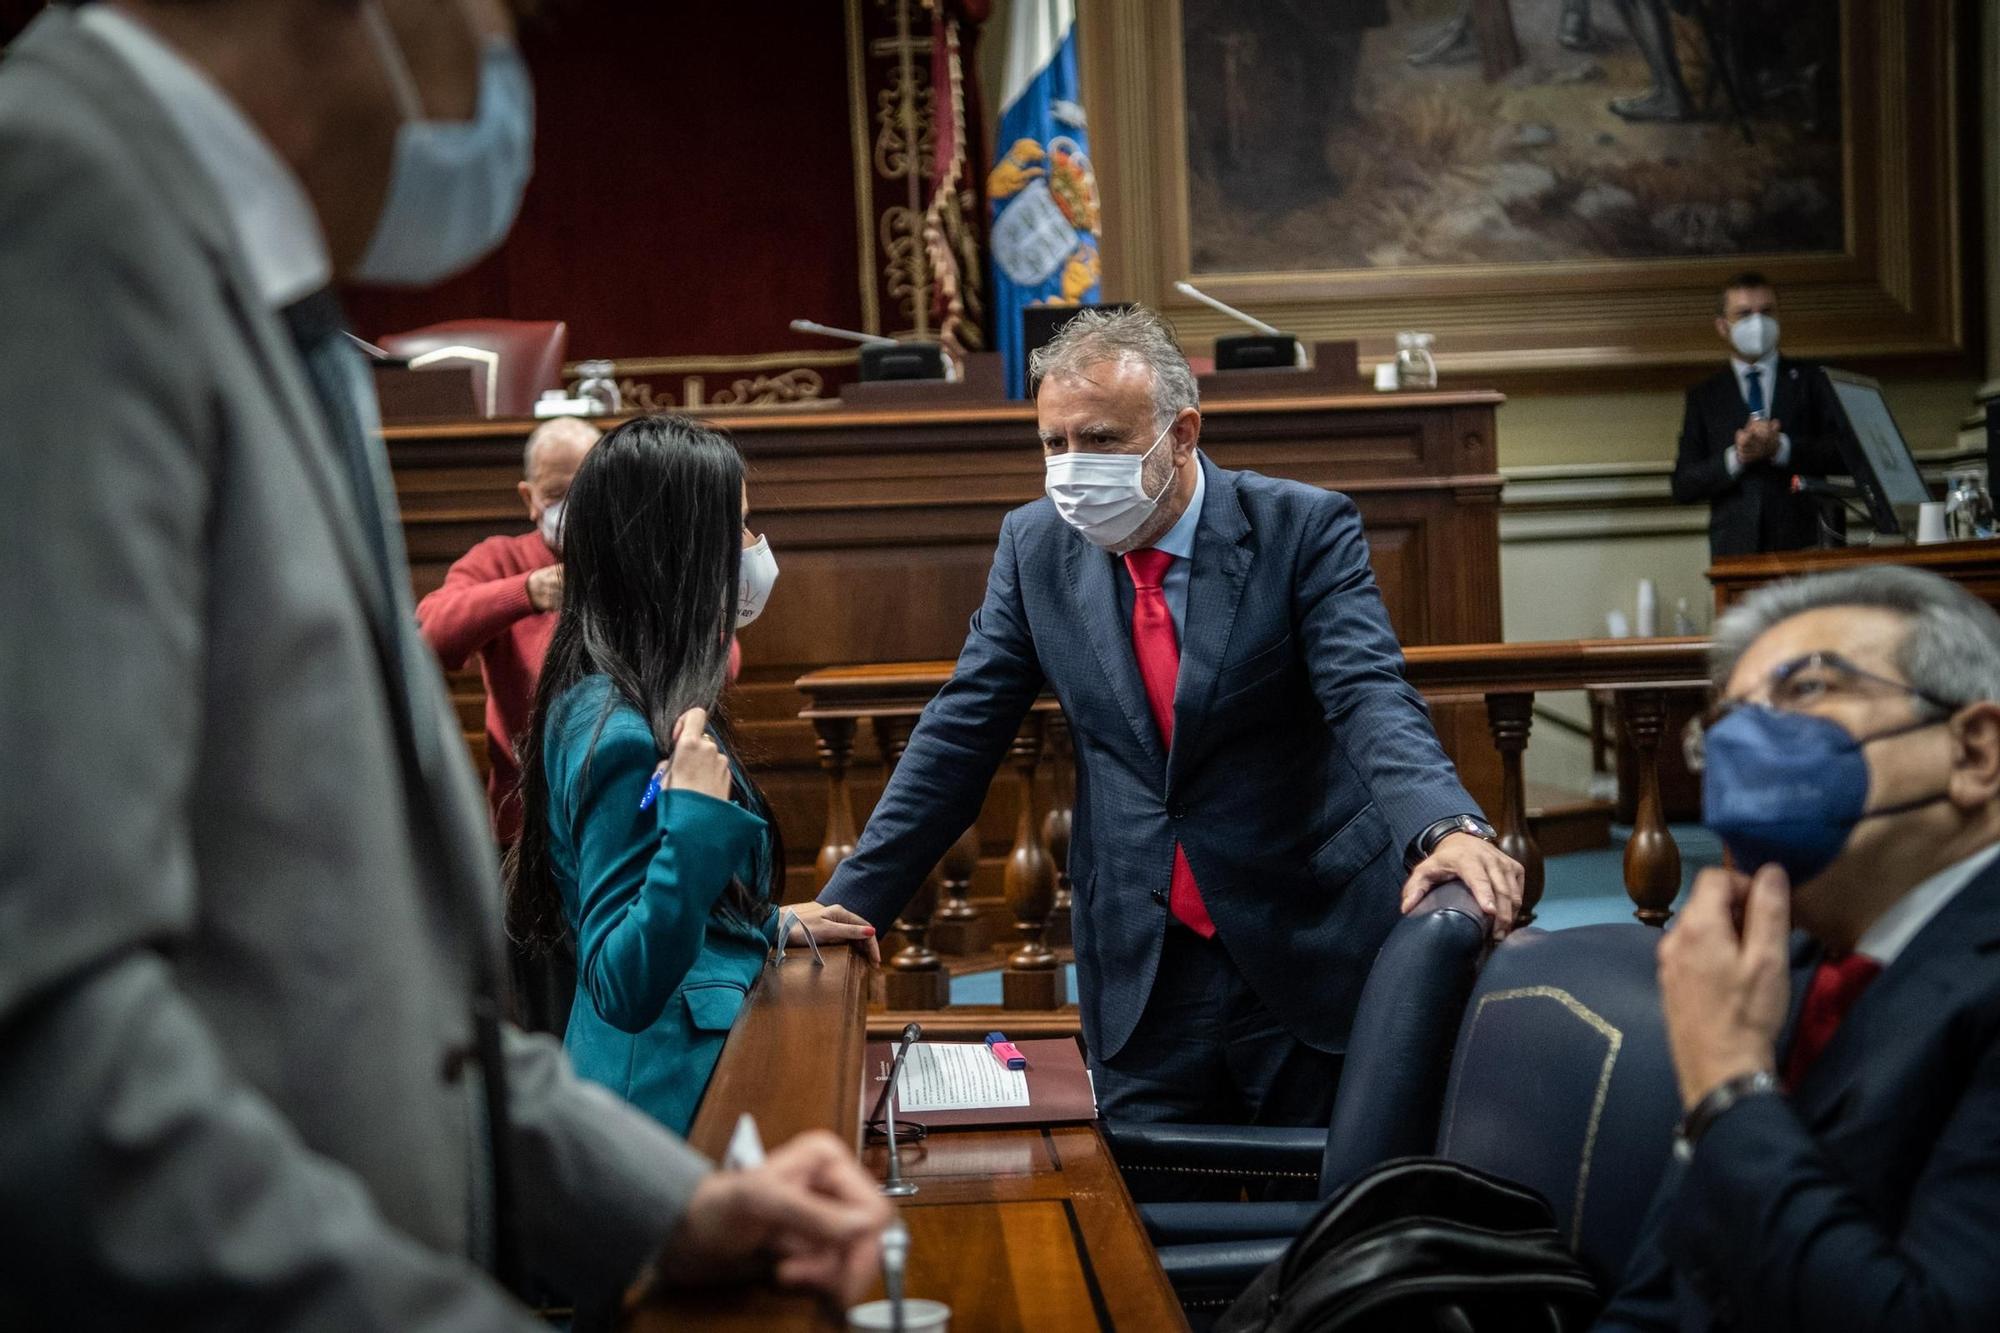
{"x": 652, "y": 789}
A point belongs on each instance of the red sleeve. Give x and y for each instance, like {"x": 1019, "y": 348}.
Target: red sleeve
{"x": 476, "y": 604}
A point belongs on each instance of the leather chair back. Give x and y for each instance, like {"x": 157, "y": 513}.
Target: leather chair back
{"x": 1562, "y": 1081}
{"x": 512, "y": 360}
{"x": 1399, "y": 1051}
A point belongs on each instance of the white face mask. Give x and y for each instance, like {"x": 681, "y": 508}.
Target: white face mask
{"x": 758, "y": 572}
{"x": 455, "y": 186}
{"x": 1103, "y": 496}
{"x": 551, "y": 525}
{"x": 1754, "y": 336}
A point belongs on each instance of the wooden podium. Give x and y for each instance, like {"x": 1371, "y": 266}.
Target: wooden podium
{"x": 1026, "y": 1227}
{"x": 1974, "y": 565}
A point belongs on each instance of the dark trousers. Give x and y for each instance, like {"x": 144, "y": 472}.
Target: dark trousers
{"x": 1207, "y": 1051}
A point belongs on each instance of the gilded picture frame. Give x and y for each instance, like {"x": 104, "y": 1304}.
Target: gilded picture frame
{"x": 1894, "y": 288}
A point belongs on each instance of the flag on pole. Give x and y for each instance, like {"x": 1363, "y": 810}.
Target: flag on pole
{"x": 1041, "y": 189}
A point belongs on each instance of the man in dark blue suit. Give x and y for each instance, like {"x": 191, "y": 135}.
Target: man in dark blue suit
{"x": 1255, "y": 778}
{"x": 1839, "y": 1164}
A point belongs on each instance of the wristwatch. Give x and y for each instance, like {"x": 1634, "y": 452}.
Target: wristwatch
{"x": 1428, "y": 840}
{"x": 1710, "y": 1108}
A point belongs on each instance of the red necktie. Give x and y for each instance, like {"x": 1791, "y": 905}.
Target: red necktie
{"x": 1159, "y": 654}
{"x": 1836, "y": 985}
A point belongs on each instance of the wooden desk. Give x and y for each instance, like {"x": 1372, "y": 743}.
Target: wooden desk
{"x": 884, "y": 521}
{"x": 1023, "y": 1228}
{"x": 1975, "y": 565}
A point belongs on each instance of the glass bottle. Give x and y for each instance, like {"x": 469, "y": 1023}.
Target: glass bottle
{"x": 1416, "y": 368}
{"x": 600, "y": 388}
{"x": 1968, "y": 509}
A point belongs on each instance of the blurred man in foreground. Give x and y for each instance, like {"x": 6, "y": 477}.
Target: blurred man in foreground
{"x": 252, "y": 1073}
{"x": 1841, "y": 1149}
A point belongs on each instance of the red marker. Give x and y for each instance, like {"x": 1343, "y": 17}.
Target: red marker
{"x": 1006, "y": 1052}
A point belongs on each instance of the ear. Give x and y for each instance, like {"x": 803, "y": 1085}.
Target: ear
{"x": 1186, "y": 433}
{"x": 528, "y": 498}
{"x": 1975, "y": 757}
{"x": 1722, "y": 328}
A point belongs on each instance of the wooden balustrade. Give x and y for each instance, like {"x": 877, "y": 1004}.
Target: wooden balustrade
{"x": 1637, "y": 672}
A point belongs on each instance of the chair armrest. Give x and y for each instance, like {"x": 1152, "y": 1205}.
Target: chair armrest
{"x": 1212, "y": 1276}
{"x": 1240, "y": 1152}
{"x": 1197, "y": 1223}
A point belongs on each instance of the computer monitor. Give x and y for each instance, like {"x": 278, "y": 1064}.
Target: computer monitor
{"x": 1873, "y": 447}
{"x": 1040, "y": 323}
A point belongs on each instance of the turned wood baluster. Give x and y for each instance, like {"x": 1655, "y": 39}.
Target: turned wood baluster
{"x": 1032, "y": 979}
{"x": 1511, "y": 717}
{"x": 1056, "y": 828}
{"x": 915, "y": 978}
{"x": 835, "y": 739}
{"x": 957, "y": 929}
{"x": 1652, "y": 860}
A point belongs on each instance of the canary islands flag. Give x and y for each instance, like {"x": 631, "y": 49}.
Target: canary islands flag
{"x": 1041, "y": 189}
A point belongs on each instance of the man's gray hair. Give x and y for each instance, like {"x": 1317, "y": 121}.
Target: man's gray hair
{"x": 1952, "y": 650}
{"x": 1094, "y": 337}
{"x": 555, "y": 428}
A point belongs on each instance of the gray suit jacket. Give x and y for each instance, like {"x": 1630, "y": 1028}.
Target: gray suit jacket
{"x": 247, "y": 895}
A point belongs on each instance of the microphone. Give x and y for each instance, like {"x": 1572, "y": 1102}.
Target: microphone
{"x": 1245, "y": 353}
{"x": 895, "y": 1186}
{"x": 828, "y": 331}
{"x": 1825, "y": 490}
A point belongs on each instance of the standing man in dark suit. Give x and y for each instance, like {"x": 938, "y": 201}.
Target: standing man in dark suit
{"x": 1839, "y": 1163}
{"x": 1749, "y": 428}
{"x": 1255, "y": 778}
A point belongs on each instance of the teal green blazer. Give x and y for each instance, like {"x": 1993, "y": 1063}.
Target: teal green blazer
{"x": 659, "y": 978}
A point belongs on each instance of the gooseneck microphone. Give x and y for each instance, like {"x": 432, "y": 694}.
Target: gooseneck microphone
{"x": 895, "y": 1186}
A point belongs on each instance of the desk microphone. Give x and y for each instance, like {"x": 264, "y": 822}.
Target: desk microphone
{"x": 895, "y": 1186}
{"x": 1246, "y": 353}
{"x": 849, "y": 335}
{"x": 1825, "y": 490}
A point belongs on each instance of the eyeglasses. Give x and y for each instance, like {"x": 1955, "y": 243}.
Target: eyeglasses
{"x": 1802, "y": 685}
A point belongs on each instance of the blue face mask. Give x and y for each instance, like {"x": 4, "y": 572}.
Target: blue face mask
{"x": 1790, "y": 787}
{"x": 455, "y": 186}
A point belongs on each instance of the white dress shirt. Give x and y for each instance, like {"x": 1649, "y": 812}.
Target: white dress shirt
{"x": 1767, "y": 375}
{"x": 1894, "y": 929}
{"x": 274, "y": 221}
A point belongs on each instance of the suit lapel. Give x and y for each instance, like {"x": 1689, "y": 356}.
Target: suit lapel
{"x": 1959, "y": 949}
{"x": 1222, "y": 558}
{"x": 1094, "y": 593}
{"x": 1785, "y": 393}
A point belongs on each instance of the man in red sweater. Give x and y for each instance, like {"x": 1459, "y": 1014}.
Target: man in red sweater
{"x": 499, "y": 602}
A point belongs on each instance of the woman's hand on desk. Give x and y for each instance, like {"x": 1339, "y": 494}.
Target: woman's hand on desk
{"x": 698, "y": 763}
{"x": 830, "y": 923}
{"x": 809, "y": 1209}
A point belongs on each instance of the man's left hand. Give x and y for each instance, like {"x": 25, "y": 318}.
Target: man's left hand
{"x": 1495, "y": 878}
{"x": 1726, "y": 988}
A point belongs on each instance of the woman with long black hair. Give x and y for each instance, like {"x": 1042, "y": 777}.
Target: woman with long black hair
{"x": 664, "y": 872}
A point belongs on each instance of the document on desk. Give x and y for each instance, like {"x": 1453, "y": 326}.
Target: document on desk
{"x": 958, "y": 1076}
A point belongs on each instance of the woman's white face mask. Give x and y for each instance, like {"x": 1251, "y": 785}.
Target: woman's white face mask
{"x": 756, "y": 576}
{"x": 1103, "y": 496}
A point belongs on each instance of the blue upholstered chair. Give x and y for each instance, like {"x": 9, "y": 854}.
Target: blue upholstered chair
{"x": 1559, "y": 1078}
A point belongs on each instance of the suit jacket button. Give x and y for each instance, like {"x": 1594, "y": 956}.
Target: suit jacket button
{"x": 1159, "y": 895}
{"x": 1176, "y": 811}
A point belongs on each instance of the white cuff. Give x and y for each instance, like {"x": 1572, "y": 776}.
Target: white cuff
{"x": 1783, "y": 458}
{"x": 1731, "y": 461}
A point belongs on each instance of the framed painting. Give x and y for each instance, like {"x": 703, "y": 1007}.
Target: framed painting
{"x": 1546, "y": 185}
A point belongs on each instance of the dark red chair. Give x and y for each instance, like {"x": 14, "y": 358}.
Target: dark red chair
{"x": 512, "y": 360}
